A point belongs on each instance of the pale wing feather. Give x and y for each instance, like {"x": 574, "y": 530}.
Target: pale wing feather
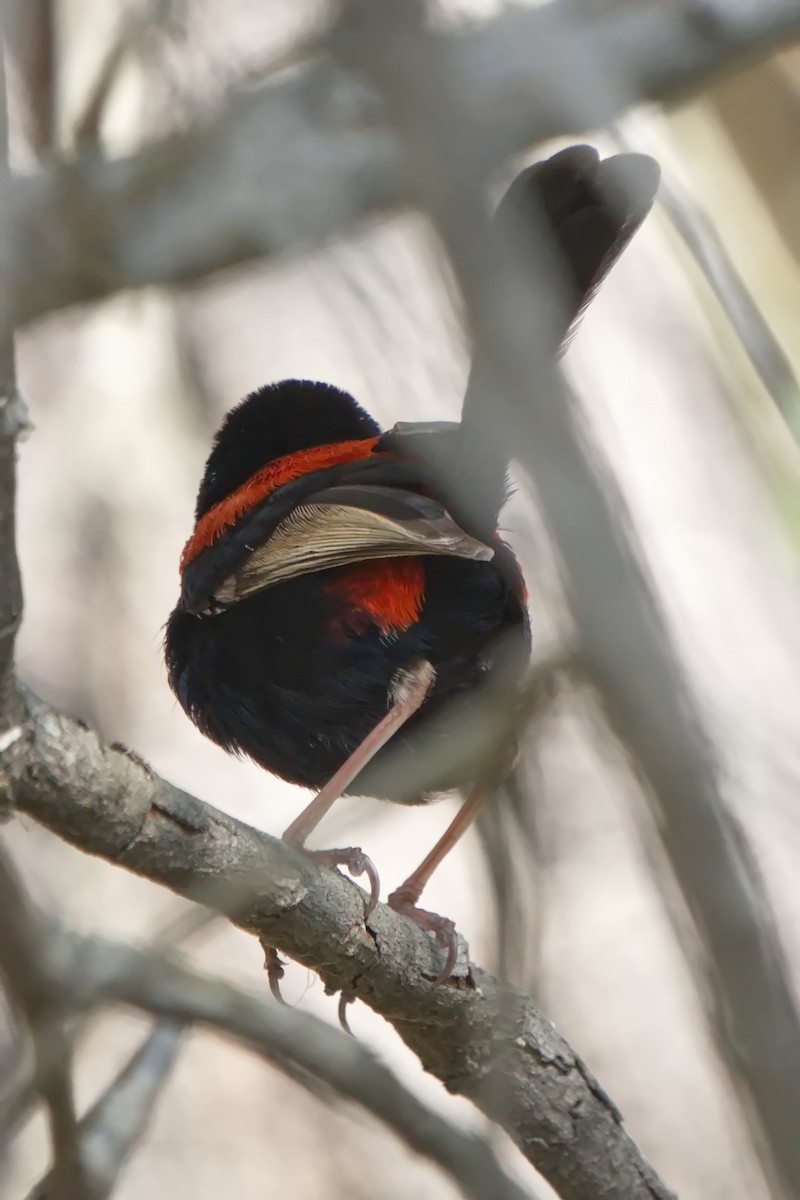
{"x": 316, "y": 537}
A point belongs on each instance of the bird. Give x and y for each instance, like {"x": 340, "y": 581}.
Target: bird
{"x": 339, "y": 594}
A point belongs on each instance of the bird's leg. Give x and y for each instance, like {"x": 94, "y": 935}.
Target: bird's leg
{"x": 410, "y": 688}
{"x": 404, "y": 899}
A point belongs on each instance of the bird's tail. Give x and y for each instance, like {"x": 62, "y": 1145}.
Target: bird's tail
{"x": 587, "y": 210}
{"x": 583, "y": 211}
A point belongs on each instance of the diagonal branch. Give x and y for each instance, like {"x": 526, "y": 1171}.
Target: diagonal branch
{"x": 484, "y": 1040}
{"x": 294, "y": 1041}
{"x": 284, "y": 166}
{"x": 113, "y": 1126}
{"x": 88, "y": 973}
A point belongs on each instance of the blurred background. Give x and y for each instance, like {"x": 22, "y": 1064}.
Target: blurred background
{"x": 684, "y": 368}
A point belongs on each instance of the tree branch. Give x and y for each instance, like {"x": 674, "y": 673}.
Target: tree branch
{"x": 113, "y": 1126}
{"x": 88, "y": 973}
{"x": 302, "y": 159}
{"x": 484, "y": 1041}
{"x": 101, "y": 972}
{"x": 31, "y": 992}
{"x": 13, "y": 420}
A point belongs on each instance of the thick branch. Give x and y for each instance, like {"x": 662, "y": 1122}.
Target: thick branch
{"x": 89, "y": 973}
{"x": 483, "y": 1040}
{"x": 287, "y": 165}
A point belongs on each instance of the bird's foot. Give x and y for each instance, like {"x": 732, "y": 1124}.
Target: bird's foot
{"x": 357, "y": 863}
{"x": 404, "y": 900}
{"x": 274, "y": 966}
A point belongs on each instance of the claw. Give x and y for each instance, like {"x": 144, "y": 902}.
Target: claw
{"x": 357, "y": 863}
{"x": 274, "y": 965}
{"x": 345, "y": 1000}
{"x": 402, "y": 901}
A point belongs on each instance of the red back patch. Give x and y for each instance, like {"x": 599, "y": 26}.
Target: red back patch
{"x": 387, "y": 592}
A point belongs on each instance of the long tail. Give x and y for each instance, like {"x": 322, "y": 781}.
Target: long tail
{"x": 587, "y": 210}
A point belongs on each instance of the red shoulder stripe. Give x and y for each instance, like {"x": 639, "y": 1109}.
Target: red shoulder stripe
{"x": 265, "y": 480}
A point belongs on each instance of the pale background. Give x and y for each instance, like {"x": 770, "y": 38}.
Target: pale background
{"x": 125, "y": 397}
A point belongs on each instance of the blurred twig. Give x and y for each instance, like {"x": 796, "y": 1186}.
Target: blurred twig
{"x": 769, "y": 360}
{"x": 13, "y": 420}
{"x": 30, "y": 33}
{"x": 20, "y": 1092}
{"x": 303, "y": 158}
{"x": 163, "y": 986}
{"x": 115, "y": 1123}
{"x": 38, "y": 1001}
{"x": 132, "y": 27}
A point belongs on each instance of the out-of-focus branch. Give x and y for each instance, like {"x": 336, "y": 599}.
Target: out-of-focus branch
{"x": 113, "y": 1126}
{"x": 90, "y": 973}
{"x": 751, "y": 327}
{"x": 37, "y": 1001}
{"x": 13, "y": 420}
{"x": 283, "y": 166}
{"x": 126, "y": 40}
{"x": 30, "y": 33}
{"x": 483, "y": 1040}
{"x": 628, "y": 650}
{"x": 292, "y": 1040}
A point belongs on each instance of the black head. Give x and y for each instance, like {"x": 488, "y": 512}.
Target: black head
{"x": 276, "y": 420}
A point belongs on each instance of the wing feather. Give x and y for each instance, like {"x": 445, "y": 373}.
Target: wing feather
{"x": 349, "y": 524}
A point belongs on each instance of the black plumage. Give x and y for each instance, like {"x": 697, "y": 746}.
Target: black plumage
{"x": 342, "y": 585}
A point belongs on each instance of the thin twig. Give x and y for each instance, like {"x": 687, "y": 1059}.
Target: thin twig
{"x": 769, "y": 359}
{"x": 36, "y": 997}
{"x": 13, "y": 419}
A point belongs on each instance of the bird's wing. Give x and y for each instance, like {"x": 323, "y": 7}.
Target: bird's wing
{"x": 345, "y": 525}
{"x": 378, "y": 508}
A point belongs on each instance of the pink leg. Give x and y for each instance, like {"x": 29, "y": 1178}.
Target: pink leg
{"x": 411, "y": 691}
{"x": 404, "y": 899}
